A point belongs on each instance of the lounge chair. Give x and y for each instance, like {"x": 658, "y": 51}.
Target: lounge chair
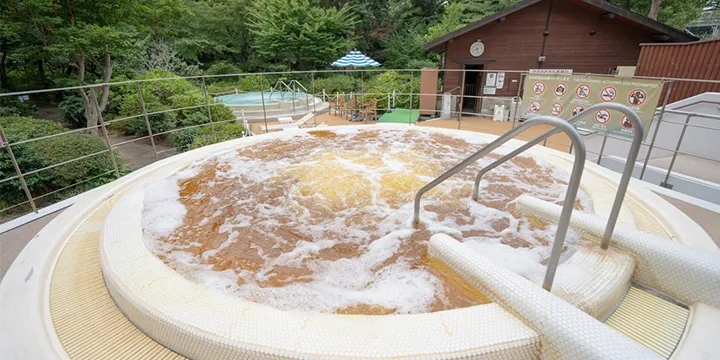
{"x": 294, "y": 125}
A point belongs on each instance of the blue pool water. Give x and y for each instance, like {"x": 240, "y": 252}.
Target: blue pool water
{"x": 255, "y": 98}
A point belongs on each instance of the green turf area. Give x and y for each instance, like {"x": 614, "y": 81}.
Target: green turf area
{"x": 400, "y": 116}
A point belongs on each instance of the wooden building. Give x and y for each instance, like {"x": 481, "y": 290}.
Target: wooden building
{"x": 587, "y": 36}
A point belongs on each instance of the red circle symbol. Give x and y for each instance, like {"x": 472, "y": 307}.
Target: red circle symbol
{"x": 556, "y": 109}
{"x": 560, "y": 89}
{"x": 626, "y": 122}
{"x": 538, "y": 88}
{"x": 637, "y": 97}
{"x": 608, "y": 94}
{"x": 582, "y": 91}
{"x": 577, "y": 109}
{"x": 602, "y": 116}
{"x": 535, "y": 107}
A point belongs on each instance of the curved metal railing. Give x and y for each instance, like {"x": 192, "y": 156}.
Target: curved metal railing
{"x": 570, "y": 195}
{"x": 638, "y": 133}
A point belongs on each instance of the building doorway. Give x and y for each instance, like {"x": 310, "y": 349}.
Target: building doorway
{"x": 473, "y": 88}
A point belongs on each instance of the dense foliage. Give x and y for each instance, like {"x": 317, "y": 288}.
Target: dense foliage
{"x": 56, "y": 43}
{"x": 92, "y": 171}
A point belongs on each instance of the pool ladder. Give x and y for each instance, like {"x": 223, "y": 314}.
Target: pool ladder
{"x": 578, "y": 144}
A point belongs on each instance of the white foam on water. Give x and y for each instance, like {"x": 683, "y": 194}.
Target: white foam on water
{"x": 363, "y": 279}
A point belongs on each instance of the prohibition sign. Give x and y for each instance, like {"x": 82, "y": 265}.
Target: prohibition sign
{"x": 535, "y": 107}
{"x": 560, "y": 89}
{"x": 608, "y": 94}
{"x": 582, "y": 91}
{"x": 626, "y": 122}
{"x": 637, "y": 97}
{"x": 538, "y": 88}
{"x": 602, "y": 116}
{"x": 556, "y": 109}
{"x": 577, "y": 109}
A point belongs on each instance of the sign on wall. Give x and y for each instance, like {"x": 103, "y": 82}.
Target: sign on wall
{"x": 500, "y": 80}
{"x": 568, "y": 95}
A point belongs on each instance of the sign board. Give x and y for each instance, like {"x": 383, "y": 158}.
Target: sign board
{"x": 500, "y": 80}
{"x": 499, "y": 114}
{"x": 567, "y": 95}
{"x": 489, "y": 90}
{"x": 490, "y": 80}
{"x": 551, "y": 71}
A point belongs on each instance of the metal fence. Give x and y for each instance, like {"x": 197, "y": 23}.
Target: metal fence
{"x": 402, "y": 90}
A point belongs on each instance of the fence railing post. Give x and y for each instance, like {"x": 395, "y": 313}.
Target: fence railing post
{"x": 93, "y": 96}
{"x": 517, "y": 104}
{"x": 602, "y": 149}
{"x": 5, "y": 143}
{"x": 665, "y": 183}
{"x": 412, "y": 73}
{"x": 147, "y": 120}
{"x": 262, "y": 98}
{"x": 312, "y": 86}
{"x": 462, "y": 94}
{"x": 207, "y": 104}
{"x": 657, "y": 128}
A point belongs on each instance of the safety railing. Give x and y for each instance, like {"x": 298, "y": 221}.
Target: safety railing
{"x": 638, "y": 133}
{"x": 407, "y": 97}
{"x": 570, "y": 194}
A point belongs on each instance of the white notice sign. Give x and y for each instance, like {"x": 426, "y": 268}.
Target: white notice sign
{"x": 500, "y": 80}
{"x": 490, "y": 80}
{"x": 489, "y": 90}
{"x": 499, "y": 114}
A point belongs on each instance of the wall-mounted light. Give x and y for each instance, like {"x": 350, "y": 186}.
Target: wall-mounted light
{"x": 592, "y": 32}
{"x": 541, "y": 58}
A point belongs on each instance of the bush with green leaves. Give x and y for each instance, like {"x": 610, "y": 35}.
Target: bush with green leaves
{"x": 389, "y": 81}
{"x": 337, "y": 83}
{"x": 52, "y": 151}
{"x": 200, "y": 136}
{"x": 172, "y": 92}
{"x": 72, "y": 111}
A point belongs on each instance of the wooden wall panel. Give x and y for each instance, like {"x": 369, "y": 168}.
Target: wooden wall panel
{"x": 697, "y": 60}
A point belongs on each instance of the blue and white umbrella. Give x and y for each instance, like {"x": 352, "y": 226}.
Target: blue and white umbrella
{"x": 355, "y": 58}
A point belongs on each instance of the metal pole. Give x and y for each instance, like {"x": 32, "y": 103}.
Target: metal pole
{"x": 207, "y": 104}
{"x": 147, "y": 120}
{"x": 312, "y": 79}
{"x": 104, "y": 129}
{"x": 262, "y": 98}
{"x": 5, "y": 143}
{"x": 602, "y": 148}
{"x": 294, "y": 96}
{"x": 677, "y": 148}
{"x": 517, "y": 104}
{"x": 657, "y": 127}
{"x": 388, "y": 104}
{"x": 462, "y": 93}
{"x": 412, "y": 73}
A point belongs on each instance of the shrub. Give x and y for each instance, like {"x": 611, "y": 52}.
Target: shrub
{"x": 45, "y": 152}
{"x": 194, "y": 138}
{"x": 338, "y": 83}
{"x": 72, "y": 111}
{"x": 392, "y": 80}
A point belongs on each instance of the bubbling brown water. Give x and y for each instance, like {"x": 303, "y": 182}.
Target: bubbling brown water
{"x": 278, "y": 213}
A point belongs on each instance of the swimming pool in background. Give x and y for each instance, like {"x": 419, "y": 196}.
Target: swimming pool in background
{"x": 256, "y": 98}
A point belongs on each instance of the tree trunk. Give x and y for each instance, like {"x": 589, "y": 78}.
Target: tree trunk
{"x": 654, "y": 9}
{"x": 93, "y": 109}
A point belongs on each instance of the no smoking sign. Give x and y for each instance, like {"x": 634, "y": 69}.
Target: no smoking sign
{"x": 556, "y": 109}
{"x": 608, "y": 94}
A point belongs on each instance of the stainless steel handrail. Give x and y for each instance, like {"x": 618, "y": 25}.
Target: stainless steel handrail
{"x": 638, "y": 133}
{"x": 570, "y": 195}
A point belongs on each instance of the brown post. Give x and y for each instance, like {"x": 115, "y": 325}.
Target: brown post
{"x": 5, "y": 143}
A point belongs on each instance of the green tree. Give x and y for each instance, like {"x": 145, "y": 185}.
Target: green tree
{"x": 676, "y": 13}
{"x": 299, "y": 35}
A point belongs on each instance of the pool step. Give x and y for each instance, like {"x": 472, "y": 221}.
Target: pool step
{"x": 651, "y": 321}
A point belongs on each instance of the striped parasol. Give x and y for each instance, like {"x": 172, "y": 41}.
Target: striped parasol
{"x": 356, "y": 59}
